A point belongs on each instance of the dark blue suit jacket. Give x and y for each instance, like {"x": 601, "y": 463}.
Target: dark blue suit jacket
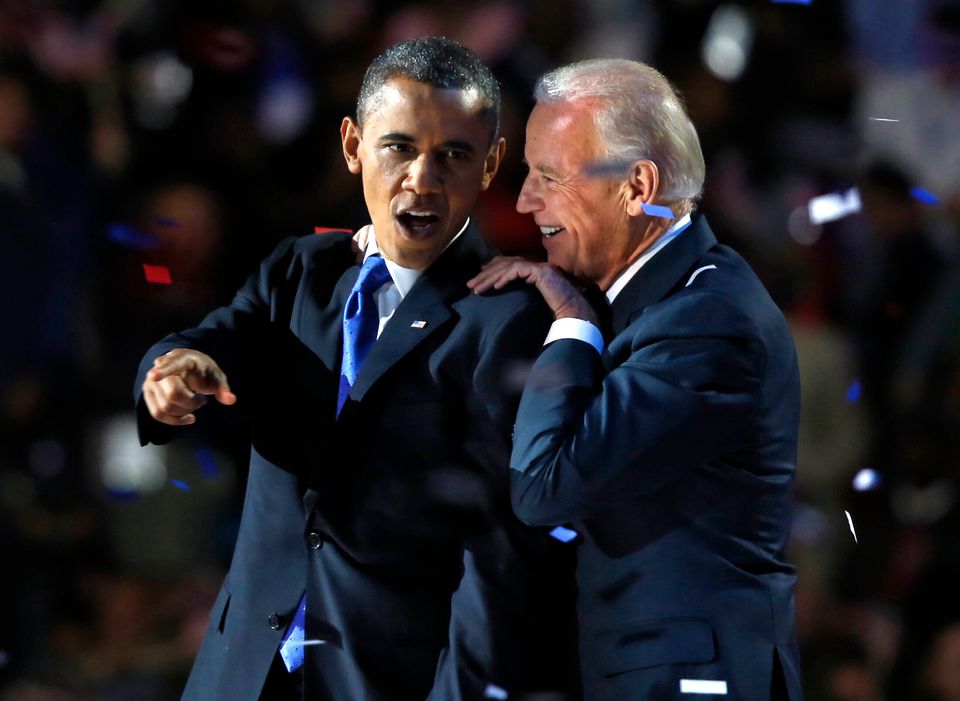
{"x": 674, "y": 455}
{"x": 395, "y": 517}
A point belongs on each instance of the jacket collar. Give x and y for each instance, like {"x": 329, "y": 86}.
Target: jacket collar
{"x": 661, "y": 273}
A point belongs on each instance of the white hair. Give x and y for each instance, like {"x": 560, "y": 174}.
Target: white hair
{"x": 641, "y": 116}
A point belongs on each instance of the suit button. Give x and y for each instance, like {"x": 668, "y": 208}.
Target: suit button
{"x": 274, "y": 621}
{"x": 314, "y": 540}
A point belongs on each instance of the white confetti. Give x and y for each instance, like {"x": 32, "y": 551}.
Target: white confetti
{"x": 833, "y": 206}
{"x": 882, "y": 119}
{"x": 703, "y": 686}
{"x": 866, "y": 479}
{"x": 304, "y": 643}
{"x": 852, "y": 529}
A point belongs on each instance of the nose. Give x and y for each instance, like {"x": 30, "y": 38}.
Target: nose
{"x": 528, "y": 201}
{"x": 424, "y": 176}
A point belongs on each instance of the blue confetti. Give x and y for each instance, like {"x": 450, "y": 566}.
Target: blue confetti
{"x": 166, "y": 222}
{"x": 127, "y": 235}
{"x": 495, "y": 692}
{"x": 604, "y": 169}
{"x": 853, "y": 392}
{"x": 866, "y": 479}
{"x": 924, "y": 196}
{"x": 656, "y": 210}
{"x": 564, "y": 535}
{"x": 793, "y": 2}
{"x": 122, "y": 494}
{"x": 208, "y": 464}
{"x": 180, "y": 484}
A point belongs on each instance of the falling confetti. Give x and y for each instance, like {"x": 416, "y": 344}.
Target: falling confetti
{"x": 208, "y": 464}
{"x": 305, "y": 643}
{"x": 703, "y": 686}
{"x": 131, "y": 237}
{"x": 656, "y": 210}
{"x": 564, "y": 535}
{"x": 852, "y": 529}
{"x": 882, "y": 119}
{"x": 166, "y": 222}
{"x": 157, "y": 274}
{"x": 607, "y": 168}
{"x": 853, "y": 391}
{"x": 180, "y": 484}
{"x": 327, "y": 230}
{"x": 495, "y": 692}
{"x": 866, "y": 479}
{"x": 924, "y": 196}
{"x": 122, "y": 494}
{"x": 833, "y": 206}
{"x": 793, "y": 2}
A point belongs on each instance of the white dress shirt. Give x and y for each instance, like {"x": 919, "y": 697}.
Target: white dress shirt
{"x": 582, "y": 330}
{"x": 389, "y": 296}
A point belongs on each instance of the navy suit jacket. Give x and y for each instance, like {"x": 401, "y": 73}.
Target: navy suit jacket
{"x": 673, "y": 455}
{"x": 395, "y": 517}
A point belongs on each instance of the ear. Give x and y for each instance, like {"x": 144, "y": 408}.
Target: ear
{"x": 351, "y": 138}
{"x": 643, "y": 186}
{"x": 492, "y": 162}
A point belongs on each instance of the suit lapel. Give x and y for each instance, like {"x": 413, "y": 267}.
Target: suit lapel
{"x": 653, "y": 281}
{"x": 425, "y": 309}
{"x": 661, "y": 273}
{"x": 319, "y": 324}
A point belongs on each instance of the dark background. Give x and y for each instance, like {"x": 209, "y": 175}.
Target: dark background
{"x": 195, "y": 135}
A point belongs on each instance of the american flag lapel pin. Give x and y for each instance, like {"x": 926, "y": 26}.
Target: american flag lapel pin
{"x": 418, "y": 324}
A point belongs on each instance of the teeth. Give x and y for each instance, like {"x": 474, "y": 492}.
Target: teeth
{"x": 550, "y": 230}
{"x": 420, "y": 214}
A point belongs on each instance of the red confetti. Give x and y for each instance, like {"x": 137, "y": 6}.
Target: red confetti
{"x": 157, "y": 274}
{"x": 327, "y": 230}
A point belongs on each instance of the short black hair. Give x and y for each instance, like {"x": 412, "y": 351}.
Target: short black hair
{"x": 436, "y": 61}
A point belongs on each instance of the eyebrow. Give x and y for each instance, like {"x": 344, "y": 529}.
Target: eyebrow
{"x": 395, "y": 136}
{"x": 547, "y": 170}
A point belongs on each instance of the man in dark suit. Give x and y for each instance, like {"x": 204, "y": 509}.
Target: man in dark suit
{"x": 672, "y": 449}
{"x": 378, "y": 557}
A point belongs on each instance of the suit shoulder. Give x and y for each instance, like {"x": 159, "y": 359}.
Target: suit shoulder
{"x": 316, "y": 244}
{"x": 299, "y": 253}
{"x": 517, "y": 297}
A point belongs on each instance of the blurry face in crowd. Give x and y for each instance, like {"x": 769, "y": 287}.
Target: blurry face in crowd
{"x": 585, "y": 220}
{"x": 424, "y": 154}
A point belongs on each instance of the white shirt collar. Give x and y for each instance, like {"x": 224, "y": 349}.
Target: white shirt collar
{"x": 403, "y": 278}
{"x": 631, "y": 270}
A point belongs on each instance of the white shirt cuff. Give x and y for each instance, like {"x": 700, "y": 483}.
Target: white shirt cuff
{"x": 576, "y": 329}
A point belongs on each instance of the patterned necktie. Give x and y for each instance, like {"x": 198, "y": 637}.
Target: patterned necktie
{"x": 360, "y": 323}
{"x": 361, "y": 320}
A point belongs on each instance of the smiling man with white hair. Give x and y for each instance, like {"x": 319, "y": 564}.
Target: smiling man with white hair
{"x": 671, "y": 450}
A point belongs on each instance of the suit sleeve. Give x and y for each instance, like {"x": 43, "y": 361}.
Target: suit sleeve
{"x": 235, "y": 336}
{"x": 585, "y": 440}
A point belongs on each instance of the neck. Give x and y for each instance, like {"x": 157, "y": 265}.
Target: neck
{"x": 640, "y": 243}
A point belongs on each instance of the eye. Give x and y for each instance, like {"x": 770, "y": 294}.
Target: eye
{"x": 452, "y": 154}
{"x": 399, "y": 147}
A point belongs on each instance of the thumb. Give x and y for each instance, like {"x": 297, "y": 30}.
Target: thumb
{"x": 224, "y": 395}
{"x": 212, "y": 381}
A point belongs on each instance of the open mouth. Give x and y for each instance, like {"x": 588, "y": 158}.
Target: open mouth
{"x": 549, "y": 231}
{"x": 415, "y": 220}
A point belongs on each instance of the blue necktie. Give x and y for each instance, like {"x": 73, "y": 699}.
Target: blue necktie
{"x": 361, "y": 319}
{"x": 360, "y": 323}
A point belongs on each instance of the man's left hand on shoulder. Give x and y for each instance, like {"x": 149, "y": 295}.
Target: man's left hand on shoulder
{"x": 560, "y": 295}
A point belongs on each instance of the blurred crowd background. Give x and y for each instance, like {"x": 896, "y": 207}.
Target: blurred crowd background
{"x": 196, "y": 135}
